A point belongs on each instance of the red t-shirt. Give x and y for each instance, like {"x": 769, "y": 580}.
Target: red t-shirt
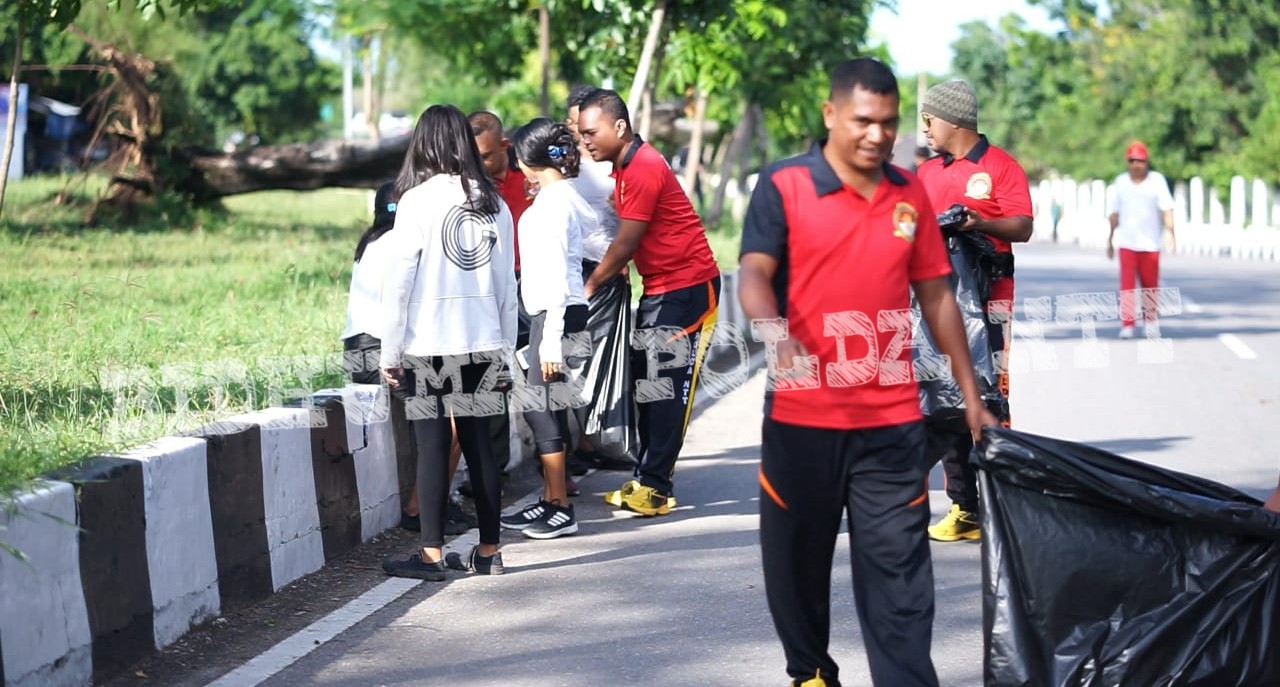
{"x": 846, "y": 265}
{"x": 512, "y": 188}
{"x": 673, "y": 253}
{"x": 987, "y": 180}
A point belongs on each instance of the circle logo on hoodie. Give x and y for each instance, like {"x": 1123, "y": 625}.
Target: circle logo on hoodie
{"x": 469, "y": 237}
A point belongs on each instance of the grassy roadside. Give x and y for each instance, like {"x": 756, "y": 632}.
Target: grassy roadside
{"x": 112, "y": 338}
{"x": 95, "y": 322}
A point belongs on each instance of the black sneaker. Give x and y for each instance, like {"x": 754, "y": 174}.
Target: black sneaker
{"x": 473, "y": 562}
{"x": 456, "y": 520}
{"x": 413, "y": 523}
{"x": 525, "y": 517}
{"x": 556, "y": 521}
{"x": 415, "y": 568}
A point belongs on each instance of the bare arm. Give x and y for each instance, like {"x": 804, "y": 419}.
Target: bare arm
{"x": 1015, "y": 229}
{"x": 759, "y": 302}
{"x": 938, "y": 305}
{"x": 1167, "y": 215}
{"x": 624, "y": 246}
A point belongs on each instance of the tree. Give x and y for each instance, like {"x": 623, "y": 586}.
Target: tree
{"x": 61, "y": 13}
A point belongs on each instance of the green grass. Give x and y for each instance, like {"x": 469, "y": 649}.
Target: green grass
{"x": 259, "y": 290}
{"x": 94, "y": 322}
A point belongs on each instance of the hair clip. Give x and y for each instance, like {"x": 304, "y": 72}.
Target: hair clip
{"x": 391, "y": 207}
{"x": 556, "y": 152}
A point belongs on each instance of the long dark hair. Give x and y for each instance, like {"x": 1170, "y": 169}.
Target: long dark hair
{"x": 547, "y": 143}
{"x": 442, "y": 144}
{"x": 384, "y": 217}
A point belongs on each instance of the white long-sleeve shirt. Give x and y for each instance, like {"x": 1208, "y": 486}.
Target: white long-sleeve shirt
{"x": 450, "y": 287}
{"x": 595, "y": 186}
{"x": 551, "y": 259}
{"x": 364, "y": 300}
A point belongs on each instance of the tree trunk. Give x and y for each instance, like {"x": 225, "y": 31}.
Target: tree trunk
{"x": 742, "y": 136}
{"x": 544, "y": 55}
{"x": 694, "y": 159}
{"x": 11, "y": 127}
{"x": 649, "y": 114}
{"x": 646, "y": 56}
{"x": 298, "y": 166}
{"x": 366, "y": 77}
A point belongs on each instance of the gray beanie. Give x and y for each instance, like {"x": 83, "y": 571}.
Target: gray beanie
{"x": 952, "y": 102}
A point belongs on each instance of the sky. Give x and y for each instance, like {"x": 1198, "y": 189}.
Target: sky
{"x": 920, "y": 32}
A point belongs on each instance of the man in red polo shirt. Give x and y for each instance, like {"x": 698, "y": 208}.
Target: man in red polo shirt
{"x": 993, "y": 189}
{"x": 499, "y": 162}
{"x": 833, "y": 242}
{"x": 659, "y": 230}
{"x": 495, "y": 152}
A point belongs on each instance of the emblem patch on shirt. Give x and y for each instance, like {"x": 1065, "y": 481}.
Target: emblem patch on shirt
{"x": 904, "y": 222}
{"x": 979, "y": 186}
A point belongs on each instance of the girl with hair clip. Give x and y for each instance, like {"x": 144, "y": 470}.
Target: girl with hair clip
{"x": 551, "y": 289}
{"x": 449, "y": 310}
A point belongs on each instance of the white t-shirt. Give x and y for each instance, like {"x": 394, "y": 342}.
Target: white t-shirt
{"x": 364, "y": 300}
{"x": 595, "y": 186}
{"x": 1140, "y": 207}
{"x": 551, "y": 233}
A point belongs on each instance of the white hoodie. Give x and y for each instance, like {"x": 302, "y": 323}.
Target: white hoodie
{"x": 450, "y": 288}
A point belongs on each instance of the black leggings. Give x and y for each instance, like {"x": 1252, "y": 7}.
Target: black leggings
{"x": 433, "y": 436}
{"x": 550, "y": 427}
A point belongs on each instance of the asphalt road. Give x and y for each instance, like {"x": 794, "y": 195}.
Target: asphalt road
{"x": 679, "y": 600}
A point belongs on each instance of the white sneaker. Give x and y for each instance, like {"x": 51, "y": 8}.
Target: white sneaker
{"x": 1126, "y": 332}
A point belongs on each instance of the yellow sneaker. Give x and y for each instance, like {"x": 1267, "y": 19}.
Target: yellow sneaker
{"x": 615, "y": 498}
{"x": 956, "y": 525}
{"x": 646, "y": 501}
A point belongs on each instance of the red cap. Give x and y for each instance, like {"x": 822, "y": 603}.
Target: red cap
{"x": 1136, "y": 151}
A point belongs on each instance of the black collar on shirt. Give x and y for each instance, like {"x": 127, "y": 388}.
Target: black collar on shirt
{"x": 974, "y": 155}
{"x": 825, "y": 180}
{"x": 636, "y": 142}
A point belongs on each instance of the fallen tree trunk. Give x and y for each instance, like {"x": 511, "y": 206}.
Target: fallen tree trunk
{"x": 298, "y": 167}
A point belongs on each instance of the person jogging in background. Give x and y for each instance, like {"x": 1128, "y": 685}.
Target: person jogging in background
{"x": 659, "y": 230}
{"x": 993, "y": 189}
{"x": 551, "y": 290}
{"x": 833, "y": 242}
{"x": 449, "y": 313}
{"x": 1141, "y": 206}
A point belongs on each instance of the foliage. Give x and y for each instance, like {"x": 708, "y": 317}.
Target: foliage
{"x": 1197, "y": 81}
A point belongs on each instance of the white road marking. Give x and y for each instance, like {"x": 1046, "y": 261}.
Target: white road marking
{"x": 289, "y": 651}
{"x": 1191, "y": 306}
{"x": 1235, "y": 345}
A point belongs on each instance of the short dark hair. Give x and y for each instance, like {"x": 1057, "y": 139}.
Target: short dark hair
{"x": 579, "y": 93}
{"x": 483, "y": 121}
{"x": 866, "y": 73}
{"x": 610, "y": 102}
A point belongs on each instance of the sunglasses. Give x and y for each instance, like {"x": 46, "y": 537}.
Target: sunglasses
{"x": 1135, "y": 159}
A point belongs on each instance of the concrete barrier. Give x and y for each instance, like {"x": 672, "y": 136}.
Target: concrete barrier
{"x": 44, "y": 629}
{"x": 179, "y": 535}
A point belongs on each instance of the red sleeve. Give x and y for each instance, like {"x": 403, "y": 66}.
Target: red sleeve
{"x": 929, "y": 259}
{"x": 638, "y": 191}
{"x": 1011, "y": 191}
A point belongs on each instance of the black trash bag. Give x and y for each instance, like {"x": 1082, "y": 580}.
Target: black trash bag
{"x": 940, "y": 397}
{"x": 1099, "y": 570}
{"x": 608, "y": 416}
